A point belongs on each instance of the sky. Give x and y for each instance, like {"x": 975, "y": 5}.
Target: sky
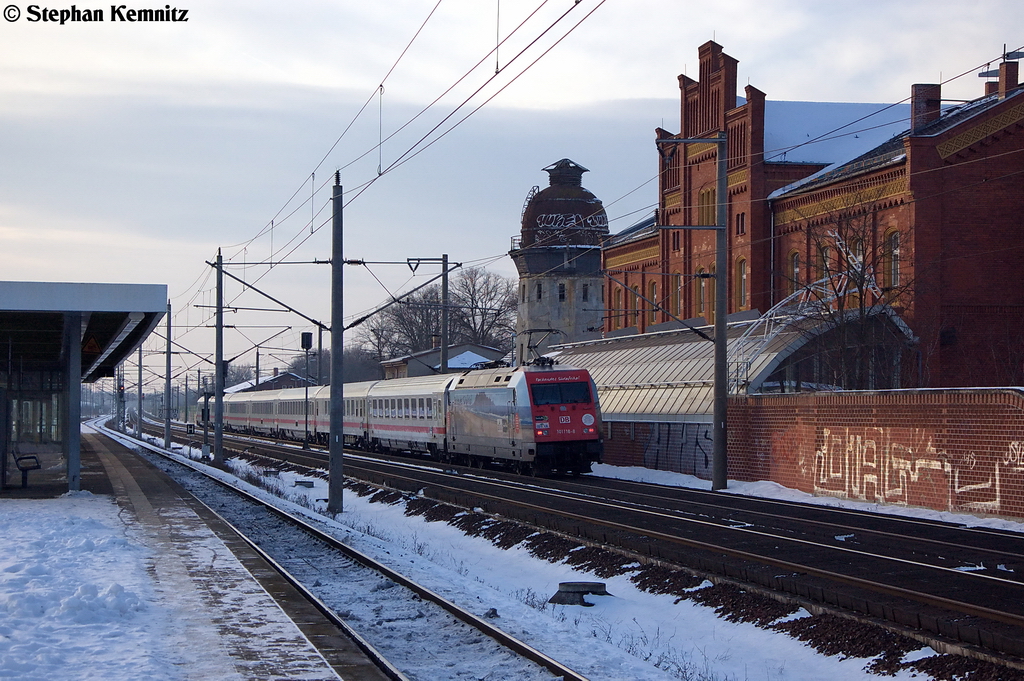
{"x": 78, "y": 592}
{"x": 131, "y": 152}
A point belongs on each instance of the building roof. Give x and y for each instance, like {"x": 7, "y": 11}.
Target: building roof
{"x": 668, "y": 375}
{"x": 893, "y": 151}
{"x": 465, "y": 360}
{"x": 273, "y": 378}
{"x": 426, "y": 353}
{"x": 647, "y": 227}
{"x": 810, "y": 132}
{"x": 828, "y": 132}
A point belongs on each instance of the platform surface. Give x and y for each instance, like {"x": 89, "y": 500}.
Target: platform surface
{"x": 211, "y": 589}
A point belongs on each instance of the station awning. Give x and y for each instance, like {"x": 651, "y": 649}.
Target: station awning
{"x": 115, "y": 318}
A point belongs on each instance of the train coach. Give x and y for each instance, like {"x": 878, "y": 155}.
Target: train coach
{"x": 531, "y": 419}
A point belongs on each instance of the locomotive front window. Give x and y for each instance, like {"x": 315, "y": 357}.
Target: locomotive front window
{"x": 561, "y": 393}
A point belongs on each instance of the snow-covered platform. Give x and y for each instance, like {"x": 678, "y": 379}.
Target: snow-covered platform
{"x": 177, "y": 596}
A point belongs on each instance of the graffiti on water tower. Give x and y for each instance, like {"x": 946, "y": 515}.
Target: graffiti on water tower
{"x": 568, "y": 220}
{"x": 904, "y": 466}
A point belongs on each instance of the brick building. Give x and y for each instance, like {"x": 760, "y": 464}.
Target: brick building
{"x": 928, "y": 223}
{"x": 656, "y": 262}
{"x": 936, "y": 217}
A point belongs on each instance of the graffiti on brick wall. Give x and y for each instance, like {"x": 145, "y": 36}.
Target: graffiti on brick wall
{"x": 903, "y": 466}
{"x": 680, "y": 447}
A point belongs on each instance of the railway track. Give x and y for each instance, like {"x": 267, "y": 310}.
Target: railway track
{"x": 395, "y": 619}
{"x": 950, "y": 583}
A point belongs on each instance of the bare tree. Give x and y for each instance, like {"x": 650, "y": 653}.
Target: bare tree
{"x": 484, "y": 307}
{"x": 857, "y": 273}
{"x": 238, "y": 373}
{"x": 482, "y": 310}
{"x": 360, "y": 364}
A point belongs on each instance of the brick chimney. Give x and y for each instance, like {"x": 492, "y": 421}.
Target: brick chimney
{"x": 925, "y": 105}
{"x": 1008, "y": 73}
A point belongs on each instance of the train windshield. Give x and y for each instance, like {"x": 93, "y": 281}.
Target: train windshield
{"x": 561, "y": 393}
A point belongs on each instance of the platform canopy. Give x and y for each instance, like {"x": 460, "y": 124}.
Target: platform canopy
{"x": 668, "y": 376}
{"x": 116, "y": 318}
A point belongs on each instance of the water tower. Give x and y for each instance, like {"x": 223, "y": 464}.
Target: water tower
{"x": 558, "y": 255}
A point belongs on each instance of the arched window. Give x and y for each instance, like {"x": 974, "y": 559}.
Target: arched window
{"x": 741, "y": 284}
{"x": 826, "y": 266}
{"x": 700, "y": 293}
{"x": 634, "y": 308}
{"x": 675, "y": 293}
{"x": 857, "y": 251}
{"x": 707, "y": 207}
{"x": 793, "y": 272}
{"x": 712, "y": 295}
{"x": 858, "y": 272}
{"x": 652, "y": 295}
{"x": 891, "y": 260}
{"x": 617, "y": 309}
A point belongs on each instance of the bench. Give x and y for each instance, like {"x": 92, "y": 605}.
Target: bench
{"x": 26, "y": 463}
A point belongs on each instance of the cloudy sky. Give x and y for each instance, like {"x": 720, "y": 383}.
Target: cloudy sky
{"x": 131, "y": 152}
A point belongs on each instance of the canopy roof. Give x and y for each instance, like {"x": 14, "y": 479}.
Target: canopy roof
{"x": 115, "y": 320}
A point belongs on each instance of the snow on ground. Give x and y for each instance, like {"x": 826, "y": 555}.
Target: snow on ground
{"x": 773, "y": 490}
{"x": 76, "y": 600}
{"x": 75, "y": 595}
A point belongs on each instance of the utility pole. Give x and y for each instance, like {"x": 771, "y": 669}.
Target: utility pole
{"x": 73, "y": 416}
{"x": 336, "y": 479}
{"x": 444, "y": 313}
{"x": 138, "y": 416}
{"x": 307, "y": 343}
{"x": 119, "y": 388}
{"x": 319, "y": 355}
{"x": 206, "y": 419}
{"x": 167, "y": 384}
{"x": 719, "y": 462}
{"x": 218, "y": 379}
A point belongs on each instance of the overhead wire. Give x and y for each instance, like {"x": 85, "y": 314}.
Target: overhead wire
{"x": 820, "y": 138}
{"x": 411, "y": 153}
{"x": 413, "y": 150}
{"x": 270, "y": 226}
{"x": 366, "y": 184}
{"x": 400, "y": 128}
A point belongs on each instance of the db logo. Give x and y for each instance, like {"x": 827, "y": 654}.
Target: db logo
{"x": 564, "y": 419}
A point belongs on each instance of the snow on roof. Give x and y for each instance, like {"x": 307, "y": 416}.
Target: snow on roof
{"x": 828, "y": 132}
{"x": 245, "y": 385}
{"x": 465, "y": 360}
{"x": 890, "y": 150}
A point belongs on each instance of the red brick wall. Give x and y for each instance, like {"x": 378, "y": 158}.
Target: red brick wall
{"x": 954, "y": 450}
{"x": 678, "y": 447}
